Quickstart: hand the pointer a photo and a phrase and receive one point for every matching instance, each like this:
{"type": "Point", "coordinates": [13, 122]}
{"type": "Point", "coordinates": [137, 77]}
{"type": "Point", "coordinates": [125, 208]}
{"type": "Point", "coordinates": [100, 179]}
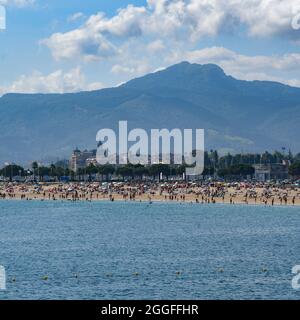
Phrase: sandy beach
{"type": "Point", "coordinates": [227, 193]}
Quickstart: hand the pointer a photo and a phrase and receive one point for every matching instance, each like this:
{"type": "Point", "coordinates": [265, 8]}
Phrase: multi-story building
{"type": "Point", "coordinates": [81, 159]}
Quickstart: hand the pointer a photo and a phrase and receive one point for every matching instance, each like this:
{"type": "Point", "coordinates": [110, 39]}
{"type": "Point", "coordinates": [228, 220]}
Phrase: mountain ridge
{"type": "Point", "coordinates": [237, 114]}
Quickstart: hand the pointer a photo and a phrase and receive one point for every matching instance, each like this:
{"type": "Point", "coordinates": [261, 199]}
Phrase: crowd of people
{"type": "Point", "coordinates": [180, 191]}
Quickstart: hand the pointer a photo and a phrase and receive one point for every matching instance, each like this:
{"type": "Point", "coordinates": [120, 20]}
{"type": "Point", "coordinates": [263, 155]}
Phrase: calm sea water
{"type": "Point", "coordinates": [140, 251]}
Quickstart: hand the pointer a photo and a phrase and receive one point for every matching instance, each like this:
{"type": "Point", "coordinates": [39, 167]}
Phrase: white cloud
{"type": "Point", "coordinates": [55, 82]}
{"type": "Point", "coordinates": [75, 17]}
{"type": "Point", "coordinates": [140, 39]}
{"type": "Point", "coordinates": [188, 20]}
{"type": "Point", "coordinates": [156, 46]}
{"type": "Point", "coordinates": [117, 69]}
{"type": "Point", "coordinates": [133, 68]}
{"type": "Point", "coordinates": [80, 43]}
{"type": "Point", "coordinates": [17, 3]}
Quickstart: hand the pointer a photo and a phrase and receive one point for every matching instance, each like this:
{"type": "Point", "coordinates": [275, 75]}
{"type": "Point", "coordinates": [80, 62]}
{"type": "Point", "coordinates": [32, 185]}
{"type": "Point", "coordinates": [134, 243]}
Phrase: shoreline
{"type": "Point", "coordinates": [156, 201]}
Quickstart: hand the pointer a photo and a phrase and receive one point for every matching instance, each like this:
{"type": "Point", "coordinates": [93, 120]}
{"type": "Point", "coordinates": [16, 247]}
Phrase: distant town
{"type": "Point", "coordinates": [83, 166]}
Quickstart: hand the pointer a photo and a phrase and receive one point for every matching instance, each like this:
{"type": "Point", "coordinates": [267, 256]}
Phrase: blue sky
{"type": "Point", "coordinates": [67, 46]}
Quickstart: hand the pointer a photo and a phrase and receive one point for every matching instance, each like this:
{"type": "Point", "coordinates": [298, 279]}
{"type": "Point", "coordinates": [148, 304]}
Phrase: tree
{"type": "Point", "coordinates": [294, 169]}
{"type": "Point", "coordinates": [44, 171]}
{"type": "Point", "coordinates": [106, 170]}
{"type": "Point", "coordinates": [208, 171]}
{"type": "Point", "coordinates": [156, 169]}
{"type": "Point", "coordinates": [181, 170]}
{"type": "Point", "coordinates": [140, 171]}
{"type": "Point", "coordinates": [297, 158]}
{"type": "Point", "coordinates": [12, 170]}
{"type": "Point", "coordinates": [237, 170]}
{"type": "Point", "coordinates": [52, 170]}
{"type": "Point", "coordinates": [34, 167]}
{"type": "Point", "coordinates": [60, 172]}
{"type": "Point", "coordinates": [92, 169]}
{"type": "Point", "coordinates": [242, 170]}
{"type": "Point", "coordinates": [223, 173]}
{"type": "Point", "coordinates": [278, 157]}
{"type": "Point", "coordinates": [267, 158]}
{"type": "Point", "coordinates": [125, 171]}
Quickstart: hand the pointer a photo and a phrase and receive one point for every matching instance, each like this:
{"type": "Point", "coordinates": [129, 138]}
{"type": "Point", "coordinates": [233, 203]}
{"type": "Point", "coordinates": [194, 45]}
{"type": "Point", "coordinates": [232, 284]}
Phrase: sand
{"type": "Point", "coordinates": [248, 194]}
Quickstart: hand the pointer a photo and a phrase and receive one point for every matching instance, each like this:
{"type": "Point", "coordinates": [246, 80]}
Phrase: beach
{"type": "Point", "coordinates": [200, 193]}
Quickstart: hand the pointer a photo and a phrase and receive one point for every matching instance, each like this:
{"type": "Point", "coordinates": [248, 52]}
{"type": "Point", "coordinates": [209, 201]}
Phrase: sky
{"type": "Point", "coordinates": [69, 46]}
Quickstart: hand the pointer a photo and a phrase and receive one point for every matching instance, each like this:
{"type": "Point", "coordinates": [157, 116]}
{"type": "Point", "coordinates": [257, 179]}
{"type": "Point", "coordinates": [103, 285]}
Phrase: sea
{"type": "Point", "coordinates": [127, 250]}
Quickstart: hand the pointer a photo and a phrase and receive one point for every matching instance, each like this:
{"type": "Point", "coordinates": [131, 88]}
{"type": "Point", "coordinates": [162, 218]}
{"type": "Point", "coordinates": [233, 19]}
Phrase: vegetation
{"type": "Point", "coordinates": [294, 169]}
{"type": "Point", "coordinates": [238, 165]}
{"type": "Point", "coordinates": [242, 170]}
{"type": "Point", "coordinates": [11, 171]}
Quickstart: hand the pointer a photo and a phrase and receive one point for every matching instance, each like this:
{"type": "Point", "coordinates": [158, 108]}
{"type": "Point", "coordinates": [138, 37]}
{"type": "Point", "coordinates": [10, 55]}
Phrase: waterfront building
{"type": "Point", "coordinates": [81, 159]}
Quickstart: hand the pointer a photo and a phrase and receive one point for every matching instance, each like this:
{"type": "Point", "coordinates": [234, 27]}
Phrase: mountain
{"type": "Point", "coordinates": [237, 115]}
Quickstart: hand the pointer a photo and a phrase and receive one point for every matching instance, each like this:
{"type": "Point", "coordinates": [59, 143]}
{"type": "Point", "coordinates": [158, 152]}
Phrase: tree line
{"type": "Point", "coordinates": [222, 166]}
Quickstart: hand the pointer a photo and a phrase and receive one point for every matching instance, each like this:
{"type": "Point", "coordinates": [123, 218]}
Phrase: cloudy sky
{"type": "Point", "coordinates": [67, 46]}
